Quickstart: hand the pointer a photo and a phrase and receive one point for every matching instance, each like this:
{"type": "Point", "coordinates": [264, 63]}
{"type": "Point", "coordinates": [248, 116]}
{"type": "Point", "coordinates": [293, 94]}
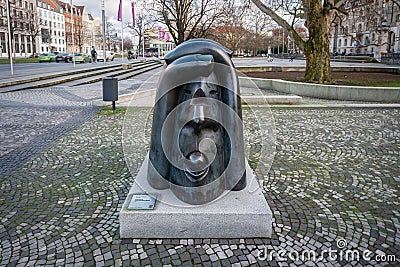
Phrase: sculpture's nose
{"type": "Point", "coordinates": [198, 113]}
{"type": "Point", "coordinates": [199, 93]}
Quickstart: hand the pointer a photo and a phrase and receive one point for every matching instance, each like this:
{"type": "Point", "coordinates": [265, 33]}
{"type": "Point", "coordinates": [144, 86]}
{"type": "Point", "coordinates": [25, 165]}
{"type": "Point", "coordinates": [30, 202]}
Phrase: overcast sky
{"type": "Point", "coordinates": [111, 6]}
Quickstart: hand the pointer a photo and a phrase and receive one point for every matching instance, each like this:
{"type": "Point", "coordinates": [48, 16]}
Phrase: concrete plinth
{"type": "Point", "coordinates": [238, 214]}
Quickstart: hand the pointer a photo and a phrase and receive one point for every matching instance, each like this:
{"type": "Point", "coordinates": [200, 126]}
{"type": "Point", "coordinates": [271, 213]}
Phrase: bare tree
{"type": "Point", "coordinates": [110, 42]}
{"type": "Point", "coordinates": [142, 22]}
{"type": "Point", "coordinates": [187, 19]}
{"type": "Point", "coordinates": [231, 31]}
{"type": "Point", "coordinates": [128, 44]}
{"type": "Point", "coordinates": [259, 24]}
{"type": "Point", "coordinates": [316, 14]}
{"type": "Point", "coordinates": [82, 35]}
{"type": "Point", "coordinates": [32, 27]}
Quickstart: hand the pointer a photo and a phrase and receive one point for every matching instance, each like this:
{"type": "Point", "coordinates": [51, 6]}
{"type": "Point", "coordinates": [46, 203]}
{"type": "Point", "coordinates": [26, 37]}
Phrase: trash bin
{"type": "Point", "coordinates": [110, 90]}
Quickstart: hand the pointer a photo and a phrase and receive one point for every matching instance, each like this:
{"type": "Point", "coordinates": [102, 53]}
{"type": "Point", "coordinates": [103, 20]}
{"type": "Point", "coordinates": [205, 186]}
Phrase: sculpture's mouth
{"type": "Point", "coordinates": [197, 169]}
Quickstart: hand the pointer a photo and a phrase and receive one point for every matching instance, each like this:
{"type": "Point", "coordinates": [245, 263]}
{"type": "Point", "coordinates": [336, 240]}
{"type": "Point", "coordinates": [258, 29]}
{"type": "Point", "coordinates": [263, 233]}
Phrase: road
{"type": "Point", "coordinates": [27, 69]}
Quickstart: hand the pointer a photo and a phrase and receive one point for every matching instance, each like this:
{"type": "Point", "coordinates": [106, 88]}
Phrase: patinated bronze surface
{"type": "Point", "coordinates": [197, 134]}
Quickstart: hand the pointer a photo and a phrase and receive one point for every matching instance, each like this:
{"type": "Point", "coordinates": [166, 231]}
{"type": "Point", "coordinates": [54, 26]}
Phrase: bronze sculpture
{"type": "Point", "coordinates": [197, 145]}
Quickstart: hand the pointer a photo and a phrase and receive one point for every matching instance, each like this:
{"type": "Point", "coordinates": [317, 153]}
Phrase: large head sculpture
{"type": "Point", "coordinates": [197, 145]}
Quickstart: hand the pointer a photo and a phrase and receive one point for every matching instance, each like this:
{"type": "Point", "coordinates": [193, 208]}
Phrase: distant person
{"type": "Point", "coordinates": [94, 55]}
{"type": "Point", "coordinates": [269, 58]}
{"type": "Point", "coordinates": [130, 54]}
{"type": "Point", "coordinates": [291, 58]}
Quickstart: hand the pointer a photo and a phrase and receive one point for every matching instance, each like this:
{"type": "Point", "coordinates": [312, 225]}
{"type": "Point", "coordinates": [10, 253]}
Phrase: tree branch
{"type": "Point", "coordinates": [283, 23]}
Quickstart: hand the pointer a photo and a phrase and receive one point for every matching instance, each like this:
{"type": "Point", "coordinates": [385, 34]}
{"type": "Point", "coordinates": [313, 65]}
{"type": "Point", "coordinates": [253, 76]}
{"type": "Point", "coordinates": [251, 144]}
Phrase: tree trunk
{"type": "Point", "coordinates": [316, 49]}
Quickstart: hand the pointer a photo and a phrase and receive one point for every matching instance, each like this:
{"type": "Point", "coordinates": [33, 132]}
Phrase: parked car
{"type": "Point", "coordinates": [87, 58]}
{"type": "Point", "coordinates": [78, 57]}
{"type": "Point", "coordinates": [47, 57]}
{"type": "Point", "coordinates": [63, 57]}
{"type": "Point", "coordinates": [109, 56]}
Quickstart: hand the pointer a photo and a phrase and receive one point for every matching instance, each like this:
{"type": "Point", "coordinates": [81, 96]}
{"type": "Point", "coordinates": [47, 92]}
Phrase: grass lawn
{"type": "Point", "coordinates": [374, 79]}
{"type": "Point", "coordinates": [19, 60]}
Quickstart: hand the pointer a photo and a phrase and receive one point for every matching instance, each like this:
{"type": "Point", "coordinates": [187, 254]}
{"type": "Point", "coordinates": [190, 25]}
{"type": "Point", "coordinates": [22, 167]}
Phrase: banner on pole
{"type": "Point", "coordinates": [161, 33]}
{"type": "Point", "coordinates": [133, 14]}
{"type": "Point", "coordinates": [120, 11]}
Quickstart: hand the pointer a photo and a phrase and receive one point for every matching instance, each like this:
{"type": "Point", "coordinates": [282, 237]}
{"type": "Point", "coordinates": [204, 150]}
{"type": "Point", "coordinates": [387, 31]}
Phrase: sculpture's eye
{"type": "Point", "coordinates": [214, 92]}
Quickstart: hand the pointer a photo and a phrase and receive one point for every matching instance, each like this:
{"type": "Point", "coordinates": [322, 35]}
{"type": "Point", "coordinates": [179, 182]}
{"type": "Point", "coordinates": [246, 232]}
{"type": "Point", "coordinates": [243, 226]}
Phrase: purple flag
{"type": "Point", "coordinates": [168, 37]}
{"type": "Point", "coordinates": [120, 11]}
{"type": "Point", "coordinates": [161, 33]}
{"type": "Point", "coordinates": [133, 14]}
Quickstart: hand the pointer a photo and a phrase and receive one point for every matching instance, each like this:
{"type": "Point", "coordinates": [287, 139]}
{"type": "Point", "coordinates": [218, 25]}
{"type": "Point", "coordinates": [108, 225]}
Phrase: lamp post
{"type": "Point", "coordinates": [103, 18]}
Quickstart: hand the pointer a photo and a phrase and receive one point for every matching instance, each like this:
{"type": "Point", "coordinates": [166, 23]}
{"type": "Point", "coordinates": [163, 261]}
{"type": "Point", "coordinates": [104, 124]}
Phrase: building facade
{"type": "Point", "coordinates": [92, 32]}
{"type": "Point", "coordinates": [72, 18]}
{"type": "Point", "coordinates": [52, 27]}
{"type": "Point", "coordinates": [370, 27]}
{"type": "Point", "coordinates": [24, 27]}
{"type": "Point", "coordinates": [158, 41]}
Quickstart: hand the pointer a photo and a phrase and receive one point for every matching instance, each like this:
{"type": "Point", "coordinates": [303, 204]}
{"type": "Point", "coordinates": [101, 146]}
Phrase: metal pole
{"type": "Point", "coordinates": [143, 35]}
{"type": "Point", "coordinates": [9, 38]}
{"type": "Point", "coordinates": [122, 29]}
{"type": "Point", "coordinates": [103, 17]}
{"type": "Point", "coordinates": [73, 33]}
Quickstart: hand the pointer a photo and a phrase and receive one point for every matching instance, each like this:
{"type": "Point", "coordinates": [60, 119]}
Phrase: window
{"type": "Point", "coordinates": [345, 42]}
{"type": "Point", "coordinates": [3, 41]}
{"type": "Point", "coordinates": [340, 42]}
{"type": "Point", "coordinates": [31, 6]}
{"type": "Point", "coordinates": [17, 46]}
{"type": "Point", "coordinates": [373, 37]}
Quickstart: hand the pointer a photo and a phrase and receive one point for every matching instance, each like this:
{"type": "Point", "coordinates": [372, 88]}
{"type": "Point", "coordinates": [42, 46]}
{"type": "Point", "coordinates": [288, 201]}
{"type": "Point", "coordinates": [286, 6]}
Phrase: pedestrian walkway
{"type": "Point", "coordinates": [333, 185]}
{"type": "Point", "coordinates": [335, 176]}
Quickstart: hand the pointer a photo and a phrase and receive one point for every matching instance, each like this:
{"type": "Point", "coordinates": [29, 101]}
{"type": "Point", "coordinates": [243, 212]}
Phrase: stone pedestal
{"type": "Point", "coordinates": [238, 214]}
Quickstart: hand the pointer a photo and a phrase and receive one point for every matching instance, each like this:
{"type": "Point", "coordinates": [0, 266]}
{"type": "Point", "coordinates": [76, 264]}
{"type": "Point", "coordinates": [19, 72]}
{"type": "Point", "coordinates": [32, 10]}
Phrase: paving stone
{"type": "Point", "coordinates": [64, 178]}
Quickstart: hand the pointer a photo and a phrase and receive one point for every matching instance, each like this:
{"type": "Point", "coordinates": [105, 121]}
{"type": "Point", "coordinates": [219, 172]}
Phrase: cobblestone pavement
{"type": "Point", "coordinates": [335, 177]}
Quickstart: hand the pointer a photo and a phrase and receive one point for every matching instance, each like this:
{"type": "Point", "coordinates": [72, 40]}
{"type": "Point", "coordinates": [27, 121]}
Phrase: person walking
{"type": "Point", "coordinates": [94, 55]}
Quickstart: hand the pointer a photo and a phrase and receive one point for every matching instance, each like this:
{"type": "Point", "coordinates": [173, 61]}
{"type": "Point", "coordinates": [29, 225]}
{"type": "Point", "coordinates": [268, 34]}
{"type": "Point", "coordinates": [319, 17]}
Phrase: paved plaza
{"type": "Point", "coordinates": [333, 186]}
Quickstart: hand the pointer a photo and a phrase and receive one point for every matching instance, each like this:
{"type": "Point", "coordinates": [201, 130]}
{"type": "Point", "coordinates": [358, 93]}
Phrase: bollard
{"type": "Point", "coordinates": [110, 90]}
